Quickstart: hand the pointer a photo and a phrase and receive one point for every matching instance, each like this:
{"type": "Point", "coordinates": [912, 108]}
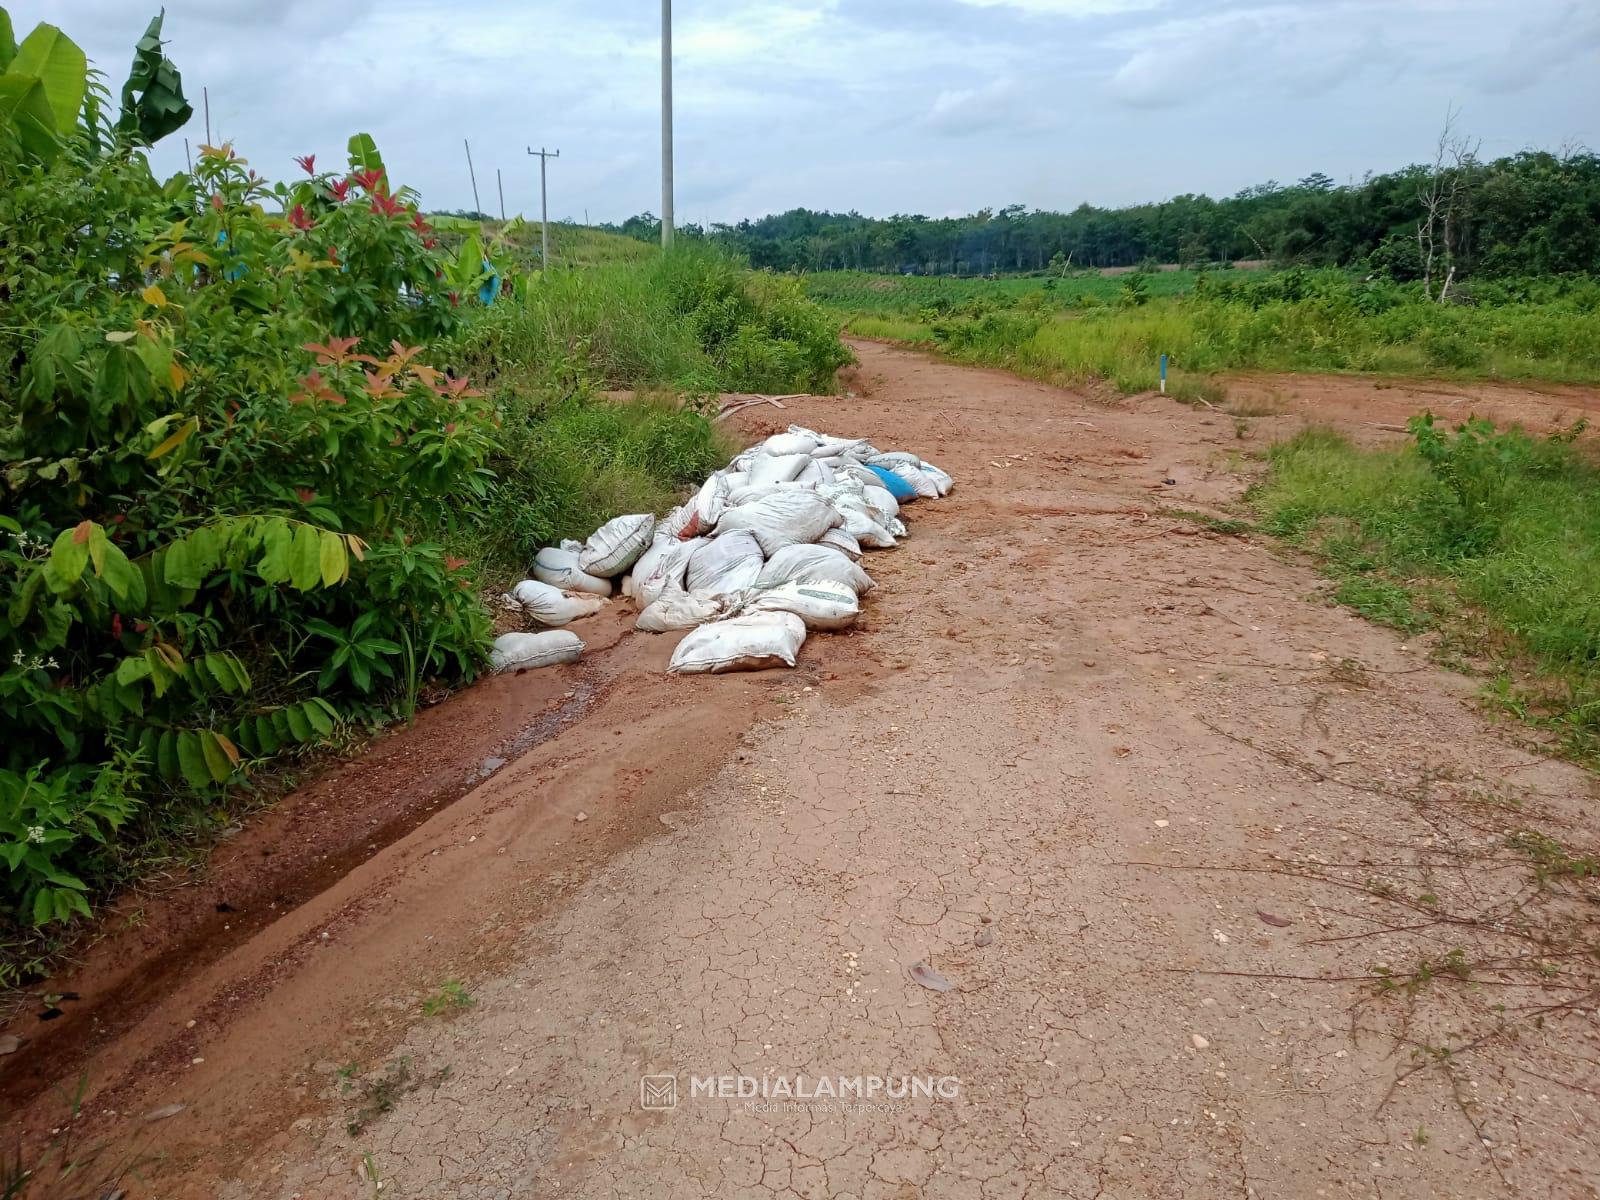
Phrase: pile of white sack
{"type": "Point", "coordinates": [769, 549]}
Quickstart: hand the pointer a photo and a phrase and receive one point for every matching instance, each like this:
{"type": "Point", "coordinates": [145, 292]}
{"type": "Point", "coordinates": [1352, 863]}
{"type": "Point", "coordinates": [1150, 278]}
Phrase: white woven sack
{"type": "Point", "coordinates": [526, 651]}
{"type": "Point", "coordinates": [745, 643]}
{"type": "Point", "coordinates": [613, 547]}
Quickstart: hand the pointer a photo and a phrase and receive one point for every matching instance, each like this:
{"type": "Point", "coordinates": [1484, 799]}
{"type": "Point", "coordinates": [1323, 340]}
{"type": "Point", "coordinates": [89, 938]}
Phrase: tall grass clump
{"type": "Point", "coordinates": [940, 295]}
{"type": "Point", "coordinates": [692, 320]}
{"type": "Point", "coordinates": [572, 460]}
{"type": "Point", "coordinates": [1491, 536]}
{"type": "Point", "coordinates": [675, 328]}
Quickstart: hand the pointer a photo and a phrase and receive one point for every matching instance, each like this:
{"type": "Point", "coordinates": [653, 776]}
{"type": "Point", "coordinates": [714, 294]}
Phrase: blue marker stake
{"type": "Point", "coordinates": [1163, 374]}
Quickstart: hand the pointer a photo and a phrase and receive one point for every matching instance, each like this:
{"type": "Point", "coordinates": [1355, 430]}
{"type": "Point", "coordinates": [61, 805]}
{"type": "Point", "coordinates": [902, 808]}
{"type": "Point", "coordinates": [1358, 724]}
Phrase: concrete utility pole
{"type": "Point", "coordinates": [477, 206]}
{"type": "Point", "coordinates": [544, 206]}
{"type": "Point", "coordinates": [501, 188]}
{"type": "Point", "coordinates": [666, 123]}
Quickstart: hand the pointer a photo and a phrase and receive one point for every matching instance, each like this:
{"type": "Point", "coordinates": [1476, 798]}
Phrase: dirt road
{"type": "Point", "coordinates": [1231, 891]}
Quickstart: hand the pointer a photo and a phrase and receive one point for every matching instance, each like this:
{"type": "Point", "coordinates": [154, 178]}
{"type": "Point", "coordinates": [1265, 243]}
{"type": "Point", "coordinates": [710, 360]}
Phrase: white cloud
{"type": "Point", "coordinates": [1069, 8]}
{"type": "Point", "coordinates": [743, 36]}
{"type": "Point", "coordinates": [882, 105]}
{"type": "Point", "coordinates": [960, 111]}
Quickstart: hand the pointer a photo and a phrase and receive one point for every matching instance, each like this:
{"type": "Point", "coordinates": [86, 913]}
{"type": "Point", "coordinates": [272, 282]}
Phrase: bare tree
{"type": "Point", "coordinates": [1445, 195]}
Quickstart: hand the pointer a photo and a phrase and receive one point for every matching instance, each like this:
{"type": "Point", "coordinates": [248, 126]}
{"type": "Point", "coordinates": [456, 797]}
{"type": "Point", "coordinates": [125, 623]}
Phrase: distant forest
{"type": "Point", "coordinates": [1532, 213]}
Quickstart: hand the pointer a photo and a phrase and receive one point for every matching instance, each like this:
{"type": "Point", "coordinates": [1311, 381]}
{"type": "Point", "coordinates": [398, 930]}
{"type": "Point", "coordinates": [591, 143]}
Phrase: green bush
{"type": "Point", "coordinates": [204, 551]}
{"type": "Point", "coordinates": [241, 461]}
{"type": "Point", "coordinates": [1509, 521]}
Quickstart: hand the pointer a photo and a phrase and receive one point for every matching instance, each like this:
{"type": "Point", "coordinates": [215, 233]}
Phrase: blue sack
{"type": "Point", "coordinates": [896, 487]}
{"type": "Point", "coordinates": [490, 291]}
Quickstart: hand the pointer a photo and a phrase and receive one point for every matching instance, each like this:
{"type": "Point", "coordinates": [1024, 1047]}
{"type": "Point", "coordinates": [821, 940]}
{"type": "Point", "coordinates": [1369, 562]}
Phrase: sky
{"type": "Point", "coordinates": [882, 106]}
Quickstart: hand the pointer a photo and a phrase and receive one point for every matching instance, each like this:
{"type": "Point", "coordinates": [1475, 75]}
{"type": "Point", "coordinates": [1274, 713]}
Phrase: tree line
{"type": "Point", "coordinates": [1532, 213]}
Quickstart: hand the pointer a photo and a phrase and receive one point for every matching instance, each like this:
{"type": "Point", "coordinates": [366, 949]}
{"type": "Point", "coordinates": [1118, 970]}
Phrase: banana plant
{"type": "Point", "coordinates": [481, 263]}
{"type": "Point", "coordinates": [152, 99]}
{"type": "Point", "coordinates": [42, 85]}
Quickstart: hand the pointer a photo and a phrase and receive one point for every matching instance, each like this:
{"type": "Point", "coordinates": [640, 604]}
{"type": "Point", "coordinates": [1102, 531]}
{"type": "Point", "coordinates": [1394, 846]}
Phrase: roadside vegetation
{"type": "Point", "coordinates": [917, 295]}
{"type": "Point", "coordinates": [1490, 537]}
{"type": "Point", "coordinates": [1487, 536]}
{"type": "Point", "coordinates": [1458, 267]}
{"type": "Point", "coordinates": [266, 444]}
{"type": "Point", "coordinates": [1116, 328]}
{"type": "Point", "coordinates": [693, 321]}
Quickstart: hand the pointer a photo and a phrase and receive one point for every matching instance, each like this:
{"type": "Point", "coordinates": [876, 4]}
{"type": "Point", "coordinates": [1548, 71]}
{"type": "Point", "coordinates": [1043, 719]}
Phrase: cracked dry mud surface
{"type": "Point", "coordinates": [1162, 814]}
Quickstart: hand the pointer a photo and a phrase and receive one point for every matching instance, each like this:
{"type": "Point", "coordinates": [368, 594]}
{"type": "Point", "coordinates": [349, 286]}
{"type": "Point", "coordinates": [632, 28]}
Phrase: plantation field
{"type": "Point", "coordinates": [574, 245]}
{"type": "Point", "coordinates": [1115, 328]}
{"type": "Point", "coordinates": [907, 295]}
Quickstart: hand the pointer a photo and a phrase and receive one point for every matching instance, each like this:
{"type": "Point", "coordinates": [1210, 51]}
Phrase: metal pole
{"type": "Point", "coordinates": [501, 188]}
{"type": "Point", "coordinates": [666, 123]}
{"type": "Point", "coordinates": [473, 175]}
{"type": "Point", "coordinates": [205, 94]}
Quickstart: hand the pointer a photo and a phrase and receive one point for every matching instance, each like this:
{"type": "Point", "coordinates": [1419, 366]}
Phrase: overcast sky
{"type": "Point", "coordinates": [930, 106]}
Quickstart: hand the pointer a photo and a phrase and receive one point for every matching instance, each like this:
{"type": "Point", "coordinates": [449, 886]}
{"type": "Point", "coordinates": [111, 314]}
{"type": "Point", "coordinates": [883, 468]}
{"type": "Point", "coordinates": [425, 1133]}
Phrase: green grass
{"type": "Point", "coordinates": [674, 328]}
{"type": "Point", "coordinates": [892, 329]}
{"type": "Point", "coordinates": [449, 996]}
{"type": "Point", "coordinates": [573, 462]}
{"type": "Point", "coordinates": [693, 321]}
{"type": "Point", "coordinates": [907, 295]}
{"type": "Point", "coordinates": [581, 246]}
{"type": "Point", "coordinates": [1491, 538]}
{"type": "Point", "coordinates": [571, 245]}
{"type": "Point", "coordinates": [608, 322]}
{"type": "Point", "coordinates": [1116, 328]}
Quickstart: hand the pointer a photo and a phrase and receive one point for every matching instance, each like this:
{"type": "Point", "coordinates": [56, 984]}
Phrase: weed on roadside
{"type": "Point", "coordinates": [1454, 964]}
{"type": "Point", "coordinates": [65, 1168]}
{"type": "Point", "coordinates": [1198, 391]}
{"type": "Point", "coordinates": [369, 1170]}
{"type": "Point", "coordinates": [1550, 859]}
{"type": "Point", "coordinates": [379, 1094]}
{"type": "Point", "coordinates": [1227, 526]}
{"type": "Point", "coordinates": [450, 996]}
